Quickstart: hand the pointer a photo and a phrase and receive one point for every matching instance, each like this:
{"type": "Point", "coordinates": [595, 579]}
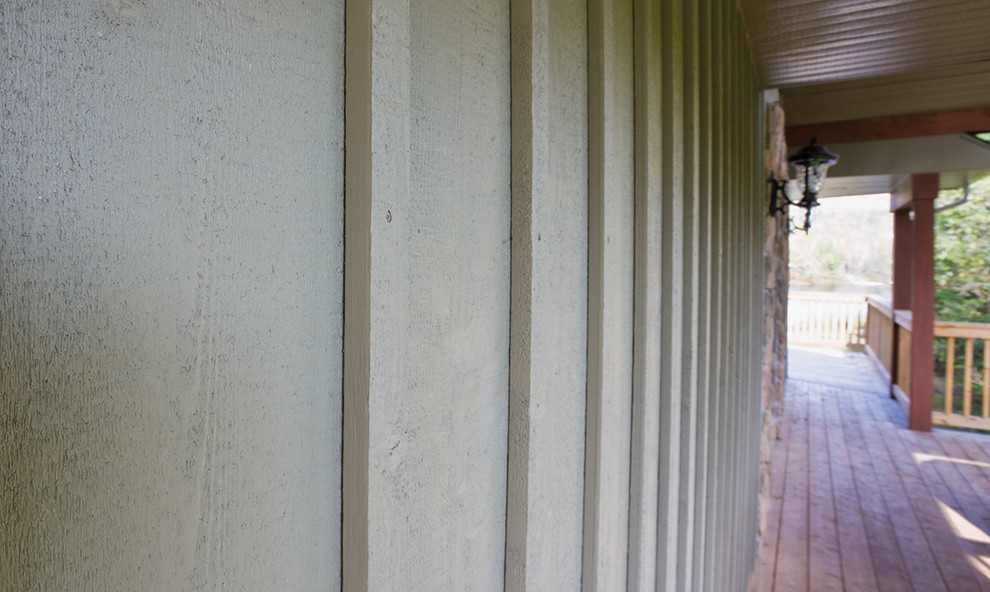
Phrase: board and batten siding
{"type": "Point", "coordinates": [549, 295]}
{"type": "Point", "coordinates": [426, 410]}
{"type": "Point", "coordinates": [627, 383]}
{"type": "Point", "coordinates": [483, 315]}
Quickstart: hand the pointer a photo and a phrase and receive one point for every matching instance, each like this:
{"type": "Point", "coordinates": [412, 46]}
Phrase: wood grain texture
{"type": "Point", "coordinates": [171, 197]}
{"type": "Point", "coordinates": [893, 127]}
{"type": "Point", "coordinates": [792, 553]}
{"type": "Point", "coordinates": [440, 293]}
{"type": "Point", "coordinates": [909, 509]}
{"type": "Point", "coordinates": [644, 482]}
{"type": "Point", "coordinates": [825, 563]}
{"type": "Point", "coordinates": [548, 316]}
{"type": "Point", "coordinates": [357, 301]}
{"type": "Point", "coordinates": [924, 189]}
{"type": "Point", "coordinates": [611, 246]}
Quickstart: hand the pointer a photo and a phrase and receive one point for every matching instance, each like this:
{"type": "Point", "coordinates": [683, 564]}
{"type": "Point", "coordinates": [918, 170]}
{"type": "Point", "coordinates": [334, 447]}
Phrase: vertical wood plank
{"type": "Point", "coordinates": [441, 270]}
{"type": "Point", "coordinates": [548, 314]}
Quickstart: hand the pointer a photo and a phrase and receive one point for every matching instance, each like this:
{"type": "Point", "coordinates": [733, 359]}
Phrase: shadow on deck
{"type": "Point", "coordinates": [859, 502]}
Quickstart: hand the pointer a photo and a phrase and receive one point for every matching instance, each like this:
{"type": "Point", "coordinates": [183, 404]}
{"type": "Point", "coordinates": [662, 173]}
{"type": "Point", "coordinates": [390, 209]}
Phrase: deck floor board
{"type": "Point", "coordinates": [792, 551]}
{"type": "Point", "coordinates": [857, 566]}
{"type": "Point", "coordinates": [859, 503]}
{"type": "Point", "coordinates": [825, 565]}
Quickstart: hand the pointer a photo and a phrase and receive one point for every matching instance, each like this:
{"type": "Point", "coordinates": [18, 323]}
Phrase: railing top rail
{"type": "Point", "coordinates": [903, 318]}
{"type": "Point", "coordinates": [947, 328]}
{"type": "Point", "coordinates": [882, 306]}
{"type": "Point", "coordinates": [962, 330]}
{"type": "Point", "coordinates": [826, 296]}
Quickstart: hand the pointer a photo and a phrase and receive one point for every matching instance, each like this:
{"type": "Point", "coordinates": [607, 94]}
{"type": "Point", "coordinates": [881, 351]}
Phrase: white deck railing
{"type": "Point", "coordinates": [826, 318]}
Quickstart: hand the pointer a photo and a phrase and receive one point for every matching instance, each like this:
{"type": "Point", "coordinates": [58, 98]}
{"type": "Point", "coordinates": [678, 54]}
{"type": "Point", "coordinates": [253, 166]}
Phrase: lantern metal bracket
{"type": "Point", "coordinates": [779, 201]}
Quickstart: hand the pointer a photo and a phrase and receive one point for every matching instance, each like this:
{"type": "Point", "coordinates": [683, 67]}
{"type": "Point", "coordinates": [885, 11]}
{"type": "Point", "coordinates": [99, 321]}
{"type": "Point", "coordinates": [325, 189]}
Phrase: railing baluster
{"type": "Point", "coordinates": [986, 378]}
{"type": "Point", "coordinates": [967, 417]}
{"type": "Point", "coordinates": [950, 367]}
{"type": "Point", "coordinates": [968, 380]}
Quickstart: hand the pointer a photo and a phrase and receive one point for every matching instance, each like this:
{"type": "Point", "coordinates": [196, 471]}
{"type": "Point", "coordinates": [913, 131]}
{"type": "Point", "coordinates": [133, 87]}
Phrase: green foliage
{"type": "Point", "coordinates": [962, 257]}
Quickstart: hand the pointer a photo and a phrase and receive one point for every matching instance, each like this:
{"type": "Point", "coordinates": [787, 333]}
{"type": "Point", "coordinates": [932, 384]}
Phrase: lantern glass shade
{"type": "Point", "coordinates": [810, 167]}
{"type": "Point", "coordinates": [810, 177]}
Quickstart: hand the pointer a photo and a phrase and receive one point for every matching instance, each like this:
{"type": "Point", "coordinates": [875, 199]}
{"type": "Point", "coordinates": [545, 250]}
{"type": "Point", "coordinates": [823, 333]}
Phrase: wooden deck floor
{"type": "Point", "coordinates": [860, 503]}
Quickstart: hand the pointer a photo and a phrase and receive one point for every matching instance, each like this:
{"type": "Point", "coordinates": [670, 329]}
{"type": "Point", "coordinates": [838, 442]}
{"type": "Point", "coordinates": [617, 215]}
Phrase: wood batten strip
{"type": "Point", "coordinates": [645, 444]}
{"type": "Point", "coordinates": [520, 315]}
{"type": "Point", "coordinates": [672, 282]}
{"type": "Point", "coordinates": [690, 303]}
{"type": "Point", "coordinates": [357, 294]}
{"type": "Point", "coordinates": [596, 293]}
{"type": "Point", "coordinates": [705, 279]}
{"type": "Point", "coordinates": [715, 515]}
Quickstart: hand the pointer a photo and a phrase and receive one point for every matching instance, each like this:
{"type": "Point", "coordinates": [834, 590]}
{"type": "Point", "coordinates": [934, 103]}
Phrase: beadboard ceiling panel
{"type": "Point", "coordinates": [928, 91]}
{"type": "Point", "coordinates": [803, 42]}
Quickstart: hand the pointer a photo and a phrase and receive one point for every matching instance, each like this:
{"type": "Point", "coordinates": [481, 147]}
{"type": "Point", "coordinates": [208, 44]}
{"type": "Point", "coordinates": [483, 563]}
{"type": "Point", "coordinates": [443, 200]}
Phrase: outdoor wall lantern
{"type": "Point", "coordinates": [810, 166]}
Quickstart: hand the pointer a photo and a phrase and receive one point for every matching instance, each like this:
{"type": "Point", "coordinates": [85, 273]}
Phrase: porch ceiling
{"type": "Point", "coordinates": [851, 59]}
{"type": "Point", "coordinates": [845, 60]}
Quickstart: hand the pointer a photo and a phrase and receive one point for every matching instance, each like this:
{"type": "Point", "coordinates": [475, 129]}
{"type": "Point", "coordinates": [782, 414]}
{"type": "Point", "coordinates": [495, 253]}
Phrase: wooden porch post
{"type": "Point", "coordinates": [901, 289]}
{"type": "Point", "coordinates": [924, 189]}
{"type": "Point", "coordinates": [903, 250]}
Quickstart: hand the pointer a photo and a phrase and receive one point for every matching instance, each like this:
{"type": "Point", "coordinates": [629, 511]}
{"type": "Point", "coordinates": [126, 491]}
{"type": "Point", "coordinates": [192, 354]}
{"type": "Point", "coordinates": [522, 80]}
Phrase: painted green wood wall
{"type": "Point", "coordinates": [484, 315]}
{"type": "Point", "coordinates": [632, 285]}
{"type": "Point", "coordinates": [171, 250]}
{"type": "Point", "coordinates": [675, 256]}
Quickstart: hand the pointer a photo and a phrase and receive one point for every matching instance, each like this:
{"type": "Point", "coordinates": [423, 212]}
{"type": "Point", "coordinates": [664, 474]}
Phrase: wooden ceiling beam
{"type": "Point", "coordinates": [892, 128]}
